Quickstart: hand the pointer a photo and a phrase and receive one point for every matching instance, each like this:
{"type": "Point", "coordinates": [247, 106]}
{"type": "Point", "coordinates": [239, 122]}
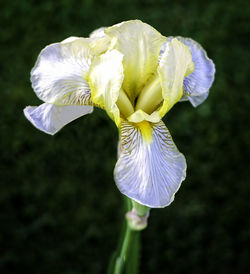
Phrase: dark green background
{"type": "Point", "coordinates": [60, 211]}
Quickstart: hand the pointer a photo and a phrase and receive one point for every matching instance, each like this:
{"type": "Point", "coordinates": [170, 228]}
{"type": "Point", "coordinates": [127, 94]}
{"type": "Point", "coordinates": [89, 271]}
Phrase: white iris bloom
{"type": "Point", "coordinates": [136, 75]}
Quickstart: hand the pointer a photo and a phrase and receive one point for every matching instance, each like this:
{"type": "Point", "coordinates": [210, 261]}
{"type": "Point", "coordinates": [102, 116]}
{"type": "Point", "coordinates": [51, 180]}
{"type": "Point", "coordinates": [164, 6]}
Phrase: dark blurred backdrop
{"type": "Point", "coordinates": [60, 211]}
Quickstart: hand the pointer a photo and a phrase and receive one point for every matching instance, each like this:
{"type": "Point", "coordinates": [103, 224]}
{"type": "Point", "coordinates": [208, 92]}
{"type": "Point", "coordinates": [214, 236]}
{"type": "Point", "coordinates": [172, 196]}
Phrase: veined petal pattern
{"type": "Point", "coordinates": [59, 75]}
{"type": "Point", "coordinates": [149, 173]}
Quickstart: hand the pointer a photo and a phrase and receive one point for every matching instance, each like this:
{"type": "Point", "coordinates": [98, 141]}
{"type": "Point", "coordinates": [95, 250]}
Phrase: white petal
{"type": "Point", "coordinates": [98, 33]}
{"type": "Point", "coordinates": [69, 39]}
{"type": "Point", "coordinates": [51, 118]}
{"type": "Point", "coordinates": [196, 86]}
{"type": "Point", "coordinates": [99, 41]}
{"type": "Point", "coordinates": [149, 172]}
{"type": "Point", "coordinates": [59, 75]}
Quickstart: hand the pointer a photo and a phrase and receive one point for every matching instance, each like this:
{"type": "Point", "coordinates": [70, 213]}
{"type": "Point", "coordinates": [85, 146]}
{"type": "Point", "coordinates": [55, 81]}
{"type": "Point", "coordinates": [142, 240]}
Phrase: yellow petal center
{"type": "Point", "coordinates": [133, 80]}
{"type": "Point", "coordinates": [146, 131]}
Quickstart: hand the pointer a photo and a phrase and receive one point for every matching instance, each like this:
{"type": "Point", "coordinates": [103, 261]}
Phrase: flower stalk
{"type": "Point", "coordinates": [121, 260]}
{"type": "Point", "coordinates": [135, 222]}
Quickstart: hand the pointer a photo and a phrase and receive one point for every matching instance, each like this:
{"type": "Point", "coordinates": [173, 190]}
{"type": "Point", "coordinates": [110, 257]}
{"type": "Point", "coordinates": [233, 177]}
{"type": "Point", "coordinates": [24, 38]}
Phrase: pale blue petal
{"type": "Point", "coordinates": [50, 118]}
{"type": "Point", "coordinates": [196, 100]}
{"type": "Point", "coordinates": [198, 83]}
{"type": "Point", "coordinates": [149, 172]}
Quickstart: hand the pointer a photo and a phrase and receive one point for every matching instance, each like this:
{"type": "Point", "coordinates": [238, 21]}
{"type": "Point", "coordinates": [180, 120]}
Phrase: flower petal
{"type": "Point", "coordinates": [140, 115]}
{"type": "Point", "coordinates": [140, 44]}
{"type": "Point", "coordinates": [99, 41]}
{"type": "Point", "coordinates": [59, 75]}
{"type": "Point", "coordinates": [105, 80]}
{"type": "Point", "coordinates": [51, 118]}
{"type": "Point", "coordinates": [98, 32]}
{"type": "Point", "coordinates": [149, 172]}
{"type": "Point", "coordinates": [174, 64]}
{"type": "Point", "coordinates": [198, 83]}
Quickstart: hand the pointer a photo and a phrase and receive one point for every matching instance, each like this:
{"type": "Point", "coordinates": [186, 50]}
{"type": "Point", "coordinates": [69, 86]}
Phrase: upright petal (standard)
{"type": "Point", "coordinates": [140, 44]}
{"type": "Point", "coordinates": [175, 63]}
{"type": "Point", "coordinates": [105, 78]}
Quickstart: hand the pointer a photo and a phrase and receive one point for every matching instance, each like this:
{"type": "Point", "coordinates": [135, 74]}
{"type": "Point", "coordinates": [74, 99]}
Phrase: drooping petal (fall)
{"type": "Point", "coordinates": [197, 84]}
{"type": "Point", "coordinates": [175, 63]}
{"type": "Point", "coordinates": [140, 44]}
{"type": "Point", "coordinates": [105, 79]}
{"type": "Point", "coordinates": [149, 172]}
{"type": "Point", "coordinates": [50, 118]}
{"type": "Point", "coordinates": [59, 75]}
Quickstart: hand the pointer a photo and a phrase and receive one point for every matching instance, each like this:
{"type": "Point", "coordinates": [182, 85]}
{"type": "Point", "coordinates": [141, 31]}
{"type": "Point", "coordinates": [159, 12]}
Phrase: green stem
{"type": "Point", "coordinates": [126, 260]}
{"type": "Point", "coordinates": [120, 262]}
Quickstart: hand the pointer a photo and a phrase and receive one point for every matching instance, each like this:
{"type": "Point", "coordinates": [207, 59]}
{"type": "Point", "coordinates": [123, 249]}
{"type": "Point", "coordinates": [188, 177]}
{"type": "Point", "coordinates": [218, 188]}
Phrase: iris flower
{"type": "Point", "coordinates": [136, 75]}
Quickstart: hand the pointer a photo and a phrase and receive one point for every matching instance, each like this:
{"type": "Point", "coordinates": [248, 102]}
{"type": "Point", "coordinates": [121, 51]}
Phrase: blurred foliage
{"type": "Point", "coordinates": [60, 209]}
